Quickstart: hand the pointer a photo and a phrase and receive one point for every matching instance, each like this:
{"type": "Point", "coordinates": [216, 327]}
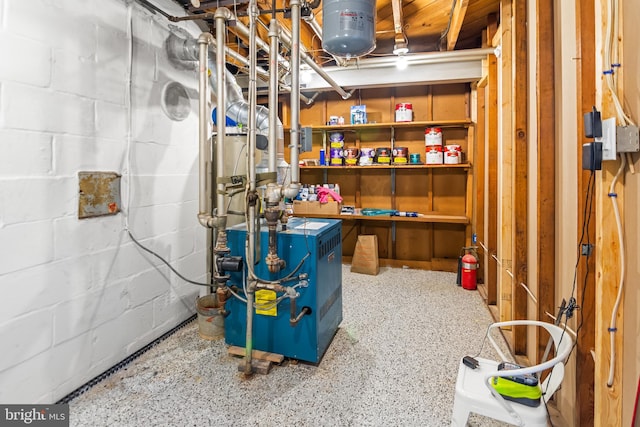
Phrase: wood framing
{"type": "Point", "coordinates": [505, 188]}
{"type": "Point", "coordinates": [546, 194]}
{"type": "Point", "coordinates": [585, 293]}
{"type": "Point", "coordinates": [608, 399]}
{"type": "Point", "coordinates": [478, 226]}
{"type": "Point", "coordinates": [520, 171]}
{"type": "Point", "coordinates": [457, 19]}
{"type": "Point", "coordinates": [491, 241]}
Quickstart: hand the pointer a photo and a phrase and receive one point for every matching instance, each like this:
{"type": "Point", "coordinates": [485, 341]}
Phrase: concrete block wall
{"type": "Point", "coordinates": [76, 295]}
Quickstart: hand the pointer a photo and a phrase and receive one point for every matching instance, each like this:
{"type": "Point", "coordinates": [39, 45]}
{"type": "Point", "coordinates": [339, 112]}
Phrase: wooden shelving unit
{"type": "Point", "coordinates": [441, 194]}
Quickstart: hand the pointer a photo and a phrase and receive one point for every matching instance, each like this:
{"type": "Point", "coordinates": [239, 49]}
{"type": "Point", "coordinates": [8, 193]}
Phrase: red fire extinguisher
{"type": "Point", "coordinates": [469, 272]}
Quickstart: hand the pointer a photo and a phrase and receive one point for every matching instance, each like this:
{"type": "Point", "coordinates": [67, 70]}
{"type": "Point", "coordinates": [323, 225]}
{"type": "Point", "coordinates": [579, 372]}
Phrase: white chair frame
{"type": "Point", "coordinates": [471, 396]}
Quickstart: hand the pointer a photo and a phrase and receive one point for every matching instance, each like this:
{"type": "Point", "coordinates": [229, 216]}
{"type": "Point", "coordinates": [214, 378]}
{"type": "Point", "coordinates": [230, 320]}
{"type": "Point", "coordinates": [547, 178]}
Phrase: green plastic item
{"type": "Point", "coordinates": [516, 392]}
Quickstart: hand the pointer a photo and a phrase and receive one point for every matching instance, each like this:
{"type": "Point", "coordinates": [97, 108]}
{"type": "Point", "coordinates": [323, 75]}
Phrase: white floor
{"type": "Point", "coordinates": [393, 362]}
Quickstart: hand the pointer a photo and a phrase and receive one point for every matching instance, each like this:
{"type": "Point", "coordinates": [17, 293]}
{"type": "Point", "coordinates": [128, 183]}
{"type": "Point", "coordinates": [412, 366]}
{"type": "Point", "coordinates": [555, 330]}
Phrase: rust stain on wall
{"type": "Point", "coordinates": [99, 194]}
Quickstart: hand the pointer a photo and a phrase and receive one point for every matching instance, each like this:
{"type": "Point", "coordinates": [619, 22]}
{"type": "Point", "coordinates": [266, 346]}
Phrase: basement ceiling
{"type": "Point", "coordinates": [424, 25]}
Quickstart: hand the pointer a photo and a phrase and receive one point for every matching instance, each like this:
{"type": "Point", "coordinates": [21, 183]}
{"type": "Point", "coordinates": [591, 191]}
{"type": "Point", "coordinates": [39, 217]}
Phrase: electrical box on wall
{"type": "Point", "coordinates": [627, 139]}
{"type": "Point", "coordinates": [99, 194]}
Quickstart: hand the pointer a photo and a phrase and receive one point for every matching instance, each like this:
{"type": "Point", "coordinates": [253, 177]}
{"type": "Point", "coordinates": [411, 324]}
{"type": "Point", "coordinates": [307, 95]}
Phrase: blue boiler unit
{"type": "Point", "coordinates": [321, 240]}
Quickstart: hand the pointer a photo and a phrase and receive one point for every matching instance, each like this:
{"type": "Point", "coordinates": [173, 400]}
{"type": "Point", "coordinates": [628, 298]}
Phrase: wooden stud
{"type": "Point", "coordinates": [479, 175]}
{"type": "Point", "coordinates": [608, 400]}
{"type": "Point", "coordinates": [492, 167]}
{"type": "Point", "coordinates": [457, 18]}
{"type": "Point", "coordinates": [505, 241]}
{"type": "Point", "coordinates": [546, 194]}
{"type": "Point", "coordinates": [520, 173]}
{"type": "Point", "coordinates": [586, 99]}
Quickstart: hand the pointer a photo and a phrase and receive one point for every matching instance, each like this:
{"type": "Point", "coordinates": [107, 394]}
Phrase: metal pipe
{"type": "Point", "coordinates": [251, 171]}
{"type": "Point", "coordinates": [244, 31]}
{"type": "Point", "coordinates": [308, 59]}
{"type": "Point", "coordinates": [205, 209]}
{"type": "Point", "coordinates": [294, 44]}
{"type": "Point", "coordinates": [273, 93]}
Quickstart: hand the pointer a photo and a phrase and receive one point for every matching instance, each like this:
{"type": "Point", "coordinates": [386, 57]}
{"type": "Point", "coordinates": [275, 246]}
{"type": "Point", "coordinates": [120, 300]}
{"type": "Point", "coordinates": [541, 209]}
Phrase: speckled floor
{"type": "Point", "coordinates": [393, 362]}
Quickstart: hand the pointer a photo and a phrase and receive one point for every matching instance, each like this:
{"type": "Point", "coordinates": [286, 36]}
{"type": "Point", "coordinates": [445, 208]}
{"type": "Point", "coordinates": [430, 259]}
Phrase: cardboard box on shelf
{"type": "Point", "coordinates": [317, 208]}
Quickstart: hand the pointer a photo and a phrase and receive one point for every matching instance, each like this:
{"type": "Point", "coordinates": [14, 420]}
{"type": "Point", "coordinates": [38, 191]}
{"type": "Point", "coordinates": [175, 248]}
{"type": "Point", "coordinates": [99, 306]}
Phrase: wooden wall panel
{"type": "Point", "coordinates": [413, 242]}
{"type": "Point", "coordinates": [448, 191]}
{"type": "Point", "coordinates": [448, 239]}
{"type": "Point", "coordinates": [417, 96]}
{"type": "Point", "coordinates": [449, 102]}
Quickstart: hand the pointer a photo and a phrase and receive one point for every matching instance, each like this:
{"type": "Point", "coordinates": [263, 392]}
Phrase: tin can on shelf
{"type": "Point", "coordinates": [404, 112]}
{"type": "Point", "coordinates": [383, 155]}
{"type": "Point", "coordinates": [366, 156]}
{"type": "Point", "coordinates": [400, 155]}
{"type": "Point", "coordinates": [433, 157]}
{"type": "Point", "coordinates": [451, 157]}
{"type": "Point", "coordinates": [336, 157]}
{"type": "Point", "coordinates": [433, 136]}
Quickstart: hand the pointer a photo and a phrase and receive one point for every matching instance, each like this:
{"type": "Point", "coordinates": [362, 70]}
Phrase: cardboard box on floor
{"type": "Point", "coordinates": [365, 255]}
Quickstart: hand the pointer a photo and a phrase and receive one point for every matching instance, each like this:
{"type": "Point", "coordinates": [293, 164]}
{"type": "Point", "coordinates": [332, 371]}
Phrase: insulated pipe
{"type": "Point", "coordinates": [204, 215]}
{"type": "Point", "coordinates": [186, 50]}
{"type": "Point", "coordinates": [307, 59]}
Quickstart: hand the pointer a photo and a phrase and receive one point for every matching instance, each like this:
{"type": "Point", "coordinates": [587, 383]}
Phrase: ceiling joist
{"type": "Point", "coordinates": [457, 18]}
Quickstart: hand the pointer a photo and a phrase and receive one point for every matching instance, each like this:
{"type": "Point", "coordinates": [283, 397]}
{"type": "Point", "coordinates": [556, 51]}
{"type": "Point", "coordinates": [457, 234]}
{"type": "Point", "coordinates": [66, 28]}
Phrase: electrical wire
{"type": "Point", "coordinates": [611, 62]}
{"type": "Point", "coordinates": [144, 248]}
{"type": "Point", "coordinates": [614, 313]}
{"type": "Point", "coordinates": [446, 31]}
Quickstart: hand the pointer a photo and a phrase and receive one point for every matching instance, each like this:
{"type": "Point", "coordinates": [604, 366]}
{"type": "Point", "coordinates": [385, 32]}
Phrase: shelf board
{"type": "Point", "coordinates": [430, 123]}
{"type": "Point", "coordinates": [441, 218]}
{"type": "Point", "coordinates": [391, 166]}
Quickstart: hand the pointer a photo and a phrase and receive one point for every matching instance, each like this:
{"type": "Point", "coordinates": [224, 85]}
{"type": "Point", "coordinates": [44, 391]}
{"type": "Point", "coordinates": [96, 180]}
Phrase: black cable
{"type": "Point", "coordinates": [166, 263]}
{"type": "Point", "coordinates": [587, 212]}
{"type": "Point", "coordinates": [446, 31]}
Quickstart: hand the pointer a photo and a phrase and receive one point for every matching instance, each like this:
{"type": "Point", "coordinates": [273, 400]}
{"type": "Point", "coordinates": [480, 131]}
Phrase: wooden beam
{"type": "Point", "coordinates": [546, 194]}
{"type": "Point", "coordinates": [505, 193]}
{"type": "Point", "coordinates": [479, 172]}
{"type": "Point", "coordinates": [585, 292]}
{"type": "Point", "coordinates": [457, 18]}
{"type": "Point", "coordinates": [608, 400]}
{"type": "Point", "coordinates": [491, 241]}
{"type": "Point", "coordinates": [520, 172]}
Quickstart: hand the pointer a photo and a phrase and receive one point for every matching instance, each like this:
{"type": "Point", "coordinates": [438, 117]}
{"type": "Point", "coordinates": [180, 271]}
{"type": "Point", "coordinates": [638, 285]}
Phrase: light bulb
{"type": "Point", "coordinates": [401, 62]}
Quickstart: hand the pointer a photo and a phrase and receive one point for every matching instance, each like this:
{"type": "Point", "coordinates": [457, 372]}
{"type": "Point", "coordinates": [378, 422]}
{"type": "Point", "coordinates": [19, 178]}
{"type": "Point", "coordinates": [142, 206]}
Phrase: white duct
{"type": "Point", "coordinates": [237, 109]}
